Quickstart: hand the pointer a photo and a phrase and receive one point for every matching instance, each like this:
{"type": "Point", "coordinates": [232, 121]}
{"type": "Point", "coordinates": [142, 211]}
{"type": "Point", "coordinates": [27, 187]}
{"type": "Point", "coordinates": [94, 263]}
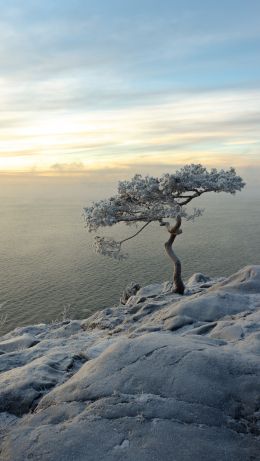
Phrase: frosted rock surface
{"type": "Point", "coordinates": [197, 278]}
{"type": "Point", "coordinates": [163, 377]}
{"type": "Point", "coordinates": [18, 342]}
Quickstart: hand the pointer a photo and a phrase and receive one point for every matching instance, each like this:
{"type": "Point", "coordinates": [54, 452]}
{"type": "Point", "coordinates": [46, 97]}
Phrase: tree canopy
{"type": "Point", "coordinates": [148, 199]}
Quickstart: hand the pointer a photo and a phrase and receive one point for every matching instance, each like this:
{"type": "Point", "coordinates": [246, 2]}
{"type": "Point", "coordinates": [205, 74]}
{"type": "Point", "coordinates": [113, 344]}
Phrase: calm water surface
{"type": "Point", "coordinates": [47, 260]}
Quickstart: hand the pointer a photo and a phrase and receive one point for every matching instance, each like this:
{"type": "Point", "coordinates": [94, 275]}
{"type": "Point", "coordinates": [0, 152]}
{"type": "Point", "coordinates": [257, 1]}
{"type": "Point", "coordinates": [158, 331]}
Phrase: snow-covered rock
{"type": "Point", "coordinates": [163, 377]}
{"type": "Point", "coordinates": [17, 342]}
{"type": "Point", "coordinates": [198, 278]}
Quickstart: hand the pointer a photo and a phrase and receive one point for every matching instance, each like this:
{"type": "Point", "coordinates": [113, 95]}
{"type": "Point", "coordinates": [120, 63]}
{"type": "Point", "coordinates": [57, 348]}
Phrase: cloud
{"type": "Point", "coordinates": [182, 128]}
{"type": "Point", "coordinates": [74, 167]}
{"type": "Point", "coordinates": [129, 44]}
{"type": "Point", "coordinates": [104, 84]}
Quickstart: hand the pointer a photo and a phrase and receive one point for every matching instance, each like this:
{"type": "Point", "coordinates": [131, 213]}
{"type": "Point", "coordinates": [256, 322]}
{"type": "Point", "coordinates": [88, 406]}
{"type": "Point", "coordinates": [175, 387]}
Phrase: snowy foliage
{"type": "Point", "coordinates": [149, 199]}
{"type": "Point", "coordinates": [109, 247]}
{"type": "Point", "coordinates": [196, 178]}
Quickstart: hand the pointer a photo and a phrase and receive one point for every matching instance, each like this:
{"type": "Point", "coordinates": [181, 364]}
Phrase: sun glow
{"type": "Point", "coordinates": [184, 130]}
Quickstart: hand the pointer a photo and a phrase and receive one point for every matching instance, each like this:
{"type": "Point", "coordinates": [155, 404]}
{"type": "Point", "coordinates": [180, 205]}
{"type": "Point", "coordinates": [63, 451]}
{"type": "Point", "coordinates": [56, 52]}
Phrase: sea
{"type": "Point", "coordinates": [49, 269]}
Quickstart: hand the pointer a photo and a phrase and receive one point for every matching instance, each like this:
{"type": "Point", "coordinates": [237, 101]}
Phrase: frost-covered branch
{"type": "Point", "coordinates": [107, 246]}
{"type": "Point", "coordinates": [152, 199]}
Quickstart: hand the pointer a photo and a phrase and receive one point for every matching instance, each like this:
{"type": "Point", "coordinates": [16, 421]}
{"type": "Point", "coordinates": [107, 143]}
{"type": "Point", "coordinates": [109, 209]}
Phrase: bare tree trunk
{"type": "Point", "coordinates": [174, 231]}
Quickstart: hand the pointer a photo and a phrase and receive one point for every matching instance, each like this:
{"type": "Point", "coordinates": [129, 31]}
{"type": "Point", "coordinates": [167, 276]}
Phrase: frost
{"type": "Point", "coordinates": [109, 247]}
{"type": "Point", "coordinates": [150, 199]}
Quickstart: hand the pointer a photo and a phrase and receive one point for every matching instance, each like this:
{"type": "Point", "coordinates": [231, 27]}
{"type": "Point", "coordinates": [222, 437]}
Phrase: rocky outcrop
{"type": "Point", "coordinates": [162, 377]}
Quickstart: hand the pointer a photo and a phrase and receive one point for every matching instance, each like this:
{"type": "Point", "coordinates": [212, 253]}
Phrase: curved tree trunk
{"type": "Point", "coordinates": [174, 231]}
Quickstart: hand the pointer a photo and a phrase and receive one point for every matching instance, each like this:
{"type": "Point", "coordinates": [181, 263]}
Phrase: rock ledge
{"type": "Point", "coordinates": [161, 377]}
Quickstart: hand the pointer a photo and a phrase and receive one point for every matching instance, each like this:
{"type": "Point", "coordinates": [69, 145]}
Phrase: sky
{"type": "Point", "coordinates": [89, 86]}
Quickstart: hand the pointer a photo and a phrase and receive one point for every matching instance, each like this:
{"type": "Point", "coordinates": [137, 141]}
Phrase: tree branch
{"type": "Point", "coordinates": [191, 197]}
{"type": "Point", "coordinates": [138, 232]}
{"type": "Point", "coordinates": [135, 219]}
{"type": "Point", "coordinates": [175, 230]}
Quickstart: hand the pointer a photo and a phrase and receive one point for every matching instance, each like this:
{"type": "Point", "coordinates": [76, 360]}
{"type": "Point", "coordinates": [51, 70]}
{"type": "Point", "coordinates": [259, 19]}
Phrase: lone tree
{"type": "Point", "coordinates": [149, 199]}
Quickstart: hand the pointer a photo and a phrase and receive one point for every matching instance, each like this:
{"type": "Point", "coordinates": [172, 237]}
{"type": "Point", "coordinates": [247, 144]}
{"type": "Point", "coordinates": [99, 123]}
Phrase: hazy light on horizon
{"type": "Point", "coordinates": [85, 87]}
